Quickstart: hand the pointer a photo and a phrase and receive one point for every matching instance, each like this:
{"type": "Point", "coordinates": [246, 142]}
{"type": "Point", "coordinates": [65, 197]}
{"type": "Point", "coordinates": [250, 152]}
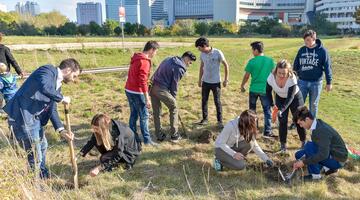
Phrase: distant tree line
{"type": "Point", "coordinates": [54, 23]}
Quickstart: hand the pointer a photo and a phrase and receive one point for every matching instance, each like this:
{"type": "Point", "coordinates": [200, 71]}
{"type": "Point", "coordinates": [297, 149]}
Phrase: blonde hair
{"type": "Point", "coordinates": [284, 64]}
{"type": "Point", "coordinates": [103, 122]}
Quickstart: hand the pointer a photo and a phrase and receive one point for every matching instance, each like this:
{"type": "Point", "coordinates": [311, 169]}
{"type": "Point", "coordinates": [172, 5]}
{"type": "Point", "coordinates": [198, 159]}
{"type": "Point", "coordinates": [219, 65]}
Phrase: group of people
{"type": "Point", "coordinates": [326, 150]}
{"type": "Point", "coordinates": [35, 103]}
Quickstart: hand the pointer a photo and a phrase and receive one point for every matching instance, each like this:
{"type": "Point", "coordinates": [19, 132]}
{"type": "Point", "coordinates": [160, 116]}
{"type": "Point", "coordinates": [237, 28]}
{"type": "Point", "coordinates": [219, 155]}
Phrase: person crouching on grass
{"type": "Point", "coordinates": [236, 140]}
{"type": "Point", "coordinates": [115, 141]}
{"type": "Point", "coordinates": [327, 150]}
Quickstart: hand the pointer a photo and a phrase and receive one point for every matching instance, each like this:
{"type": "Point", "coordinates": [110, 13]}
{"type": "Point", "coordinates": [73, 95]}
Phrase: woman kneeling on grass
{"type": "Point", "coordinates": [114, 140]}
{"type": "Point", "coordinates": [236, 140]}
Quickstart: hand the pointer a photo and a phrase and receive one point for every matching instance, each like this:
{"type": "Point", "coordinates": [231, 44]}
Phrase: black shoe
{"type": "Point", "coordinates": [176, 137]}
{"type": "Point", "coordinates": [203, 122]}
{"type": "Point", "coordinates": [161, 137]}
{"type": "Point", "coordinates": [330, 171]}
{"type": "Point", "coordinates": [269, 135]}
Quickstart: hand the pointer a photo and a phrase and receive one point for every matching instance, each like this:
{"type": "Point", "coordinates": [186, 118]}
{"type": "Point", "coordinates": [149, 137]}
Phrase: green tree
{"type": "Point", "coordinates": [129, 29]}
{"type": "Point", "coordinates": [217, 28]}
{"type": "Point", "coordinates": [202, 28]}
{"type": "Point", "coordinates": [9, 17]}
{"type": "Point", "coordinates": [322, 26]}
{"type": "Point", "coordinates": [25, 29]}
{"type": "Point", "coordinates": [117, 31]}
{"type": "Point", "coordinates": [95, 29]}
{"type": "Point", "coordinates": [109, 26]}
{"type": "Point", "coordinates": [53, 18]}
{"type": "Point", "coordinates": [141, 30]}
{"type": "Point", "coordinates": [51, 30]}
{"type": "Point", "coordinates": [264, 25]}
{"type": "Point", "coordinates": [183, 28]}
{"type": "Point", "coordinates": [248, 28]}
{"type": "Point", "coordinates": [69, 28]}
{"type": "Point", "coordinates": [83, 29]}
{"type": "Point", "coordinates": [281, 30]}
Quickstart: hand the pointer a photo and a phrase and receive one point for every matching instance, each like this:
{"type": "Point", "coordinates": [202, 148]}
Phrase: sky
{"type": "Point", "coordinates": [66, 7]}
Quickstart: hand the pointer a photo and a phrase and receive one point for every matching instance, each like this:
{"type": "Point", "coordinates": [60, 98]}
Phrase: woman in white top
{"type": "Point", "coordinates": [287, 96]}
{"type": "Point", "coordinates": [236, 140]}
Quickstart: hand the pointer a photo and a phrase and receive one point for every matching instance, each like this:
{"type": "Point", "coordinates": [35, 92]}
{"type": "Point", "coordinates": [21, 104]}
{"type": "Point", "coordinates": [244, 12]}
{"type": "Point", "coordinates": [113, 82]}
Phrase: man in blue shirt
{"type": "Point", "coordinates": [34, 104]}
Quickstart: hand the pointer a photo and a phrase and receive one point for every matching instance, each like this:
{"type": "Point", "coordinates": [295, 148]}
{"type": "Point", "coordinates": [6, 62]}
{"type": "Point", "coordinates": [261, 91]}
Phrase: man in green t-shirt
{"type": "Point", "coordinates": [259, 68]}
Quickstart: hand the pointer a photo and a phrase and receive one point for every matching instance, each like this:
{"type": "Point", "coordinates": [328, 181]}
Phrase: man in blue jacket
{"type": "Point", "coordinates": [311, 61]}
{"type": "Point", "coordinates": [34, 104]}
{"type": "Point", "coordinates": [164, 89]}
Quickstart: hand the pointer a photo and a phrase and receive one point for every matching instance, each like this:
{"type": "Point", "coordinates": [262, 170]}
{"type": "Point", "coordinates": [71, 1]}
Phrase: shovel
{"type": "Point", "coordinates": [288, 177]}
{"type": "Point", "coordinates": [71, 145]}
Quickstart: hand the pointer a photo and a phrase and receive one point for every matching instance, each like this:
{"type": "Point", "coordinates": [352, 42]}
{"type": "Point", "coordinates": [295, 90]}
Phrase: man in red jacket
{"type": "Point", "coordinates": [136, 90]}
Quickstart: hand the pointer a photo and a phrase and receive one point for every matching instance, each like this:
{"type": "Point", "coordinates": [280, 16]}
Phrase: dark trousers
{"type": "Point", "coordinates": [108, 158]}
{"type": "Point", "coordinates": [265, 102]}
{"type": "Point", "coordinates": [283, 120]}
{"type": "Point", "coordinates": [310, 149]}
{"type": "Point", "coordinates": [205, 91]}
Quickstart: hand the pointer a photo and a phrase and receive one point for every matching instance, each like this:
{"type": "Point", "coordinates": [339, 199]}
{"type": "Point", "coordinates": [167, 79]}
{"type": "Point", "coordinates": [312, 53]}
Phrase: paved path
{"type": "Point", "coordinates": [87, 45]}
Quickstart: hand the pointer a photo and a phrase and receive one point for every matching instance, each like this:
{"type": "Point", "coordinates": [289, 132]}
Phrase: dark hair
{"type": "Point", "coordinates": [70, 63]}
{"type": "Point", "coordinates": [190, 55]}
{"type": "Point", "coordinates": [257, 45]}
{"type": "Point", "coordinates": [247, 125]}
{"type": "Point", "coordinates": [309, 33]}
{"type": "Point", "coordinates": [201, 42]}
{"type": "Point", "coordinates": [302, 113]}
{"type": "Point", "coordinates": [151, 45]}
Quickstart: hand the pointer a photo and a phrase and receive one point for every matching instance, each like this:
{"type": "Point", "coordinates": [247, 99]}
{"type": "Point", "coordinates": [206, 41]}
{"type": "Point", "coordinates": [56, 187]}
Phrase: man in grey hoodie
{"type": "Point", "coordinates": [164, 89]}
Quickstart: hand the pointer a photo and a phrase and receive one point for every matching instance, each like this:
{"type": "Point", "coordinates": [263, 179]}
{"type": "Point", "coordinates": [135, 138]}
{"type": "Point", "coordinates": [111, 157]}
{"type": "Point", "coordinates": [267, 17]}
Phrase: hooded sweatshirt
{"type": "Point", "coordinates": [230, 136]}
{"type": "Point", "coordinates": [169, 73]}
{"type": "Point", "coordinates": [310, 63]}
{"type": "Point", "coordinates": [7, 58]}
{"type": "Point", "coordinates": [138, 74]}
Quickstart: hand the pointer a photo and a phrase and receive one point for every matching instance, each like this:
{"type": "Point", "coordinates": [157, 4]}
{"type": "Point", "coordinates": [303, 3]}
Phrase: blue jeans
{"type": "Point", "coordinates": [310, 149]}
{"type": "Point", "coordinates": [33, 135]}
{"type": "Point", "coordinates": [265, 102]}
{"type": "Point", "coordinates": [313, 89]}
{"type": "Point", "coordinates": [138, 108]}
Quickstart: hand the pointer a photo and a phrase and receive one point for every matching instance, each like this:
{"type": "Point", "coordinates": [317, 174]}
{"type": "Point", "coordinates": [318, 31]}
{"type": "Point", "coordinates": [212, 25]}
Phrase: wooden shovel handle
{"type": "Point", "coordinates": [71, 146]}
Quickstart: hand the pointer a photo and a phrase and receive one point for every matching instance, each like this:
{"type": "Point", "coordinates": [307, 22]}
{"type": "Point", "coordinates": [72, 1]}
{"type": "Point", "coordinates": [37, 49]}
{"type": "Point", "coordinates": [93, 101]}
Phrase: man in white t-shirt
{"type": "Point", "coordinates": [209, 77]}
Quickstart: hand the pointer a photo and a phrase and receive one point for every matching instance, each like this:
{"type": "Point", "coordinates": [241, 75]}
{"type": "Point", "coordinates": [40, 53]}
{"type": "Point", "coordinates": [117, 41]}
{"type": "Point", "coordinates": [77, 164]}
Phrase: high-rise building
{"type": "Point", "coordinates": [112, 9]}
{"type": "Point", "coordinates": [29, 8]}
{"type": "Point", "coordinates": [340, 12]}
{"type": "Point", "coordinates": [159, 11]}
{"type": "Point", "coordinates": [290, 11]}
{"type": "Point", "coordinates": [88, 12]}
{"type": "Point", "coordinates": [132, 11]}
{"type": "Point", "coordinates": [193, 9]}
{"type": "Point", "coordinates": [3, 8]}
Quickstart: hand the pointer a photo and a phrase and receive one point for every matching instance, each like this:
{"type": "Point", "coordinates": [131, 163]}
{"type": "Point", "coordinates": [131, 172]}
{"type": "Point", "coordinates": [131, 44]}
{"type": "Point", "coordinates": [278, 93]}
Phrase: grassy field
{"type": "Point", "coordinates": [183, 171]}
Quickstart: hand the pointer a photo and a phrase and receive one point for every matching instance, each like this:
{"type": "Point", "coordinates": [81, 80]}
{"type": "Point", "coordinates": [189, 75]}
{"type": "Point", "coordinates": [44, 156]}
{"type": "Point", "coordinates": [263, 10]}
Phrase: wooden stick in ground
{"type": "Point", "coordinates": [71, 145]}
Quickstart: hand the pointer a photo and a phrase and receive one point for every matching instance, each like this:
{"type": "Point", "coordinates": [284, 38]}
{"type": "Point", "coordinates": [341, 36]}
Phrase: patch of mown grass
{"type": "Point", "coordinates": [159, 173]}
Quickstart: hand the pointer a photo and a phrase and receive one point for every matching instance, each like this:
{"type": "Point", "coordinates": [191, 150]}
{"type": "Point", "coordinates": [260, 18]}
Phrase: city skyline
{"type": "Point", "coordinates": [65, 7]}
